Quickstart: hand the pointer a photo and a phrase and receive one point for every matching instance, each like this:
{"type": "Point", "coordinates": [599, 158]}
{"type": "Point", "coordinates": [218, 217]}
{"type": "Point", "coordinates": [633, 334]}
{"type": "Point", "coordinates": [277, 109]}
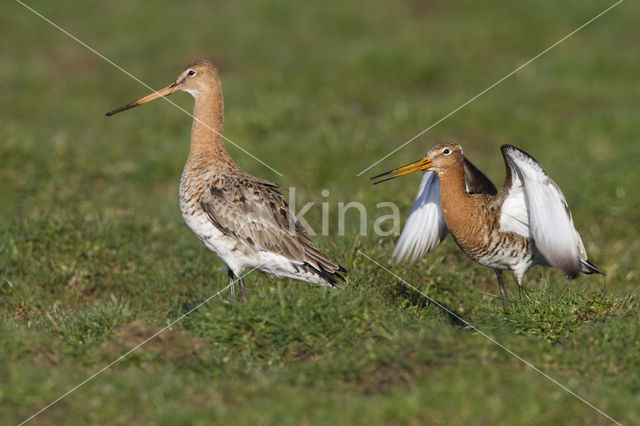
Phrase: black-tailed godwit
{"type": "Point", "coordinates": [245, 220]}
{"type": "Point", "coordinates": [526, 223]}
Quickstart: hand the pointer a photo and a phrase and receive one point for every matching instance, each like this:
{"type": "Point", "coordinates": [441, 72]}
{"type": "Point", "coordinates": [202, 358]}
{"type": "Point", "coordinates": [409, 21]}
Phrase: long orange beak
{"type": "Point", "coordinates": [422, 164]}
{"type": "Point", "coordinates": [165, 91]}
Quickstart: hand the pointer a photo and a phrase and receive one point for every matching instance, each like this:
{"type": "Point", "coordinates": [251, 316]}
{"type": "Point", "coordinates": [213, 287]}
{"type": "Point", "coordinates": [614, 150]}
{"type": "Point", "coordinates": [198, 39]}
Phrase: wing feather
{"type": "Point", "coordinates": [550, 221]}
{"type": "Point", "coordinates": [425, 227]}
{"type": "Point", "coordinates": [254, 212]}
{"type": "Point", "coordinates": [477, 182]}
{"type": "Point", "coordinates": [514, 215]}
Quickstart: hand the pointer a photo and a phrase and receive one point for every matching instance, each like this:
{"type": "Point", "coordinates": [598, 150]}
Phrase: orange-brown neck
{"type": "Point", "coordinates": [207, 146]}
{"type": "Point", "coordinates": [457, 205]}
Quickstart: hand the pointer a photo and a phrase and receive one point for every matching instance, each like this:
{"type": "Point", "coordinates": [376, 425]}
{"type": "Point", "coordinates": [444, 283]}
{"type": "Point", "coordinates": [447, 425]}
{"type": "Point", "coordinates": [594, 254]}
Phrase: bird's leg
{"type": "Point", "coordinates": [520, 289]}
{"type": "Point", "coordinates": [245, 295]}
{"type": "Point", "coordinates": [501, 283]}
{"type": "Point", "coordinates": [232, 286]}
{"type": "Point", "coordinates": [519, 278]}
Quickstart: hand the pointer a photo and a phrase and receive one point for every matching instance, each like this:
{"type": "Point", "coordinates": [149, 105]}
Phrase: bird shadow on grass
{"type": "Point", "coordinates": [402, 295]}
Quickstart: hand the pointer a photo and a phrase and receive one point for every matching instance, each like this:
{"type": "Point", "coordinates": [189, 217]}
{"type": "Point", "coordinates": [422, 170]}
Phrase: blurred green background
{"type": "Point", "coordinates": [94, 256]}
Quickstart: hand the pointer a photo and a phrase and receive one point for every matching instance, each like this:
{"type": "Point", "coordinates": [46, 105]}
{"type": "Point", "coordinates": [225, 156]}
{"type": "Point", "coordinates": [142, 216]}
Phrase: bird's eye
{"type": "Point", "coordinates": [191, 73]}
{"type": "Point", "coordinates": [446, 151]}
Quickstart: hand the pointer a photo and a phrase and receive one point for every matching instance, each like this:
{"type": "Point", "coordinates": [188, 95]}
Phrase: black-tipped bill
{"type": "Point", "coordinates": [165, 91]}
{"type": "Point", "coordinates": [422, 164]}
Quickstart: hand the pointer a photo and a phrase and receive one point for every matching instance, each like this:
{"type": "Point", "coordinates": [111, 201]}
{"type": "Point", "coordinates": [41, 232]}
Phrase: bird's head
{"type": "Point", "coordinates": [197, 78]}
{"type": "Point", "coordinates": [438, 159]}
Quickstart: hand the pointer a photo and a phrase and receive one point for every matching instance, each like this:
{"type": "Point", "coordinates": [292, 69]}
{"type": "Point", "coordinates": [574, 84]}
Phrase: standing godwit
{"type": "Point", "coordinates": [245, 220]}
{"type": "Point", "coordinates": [526, 223]}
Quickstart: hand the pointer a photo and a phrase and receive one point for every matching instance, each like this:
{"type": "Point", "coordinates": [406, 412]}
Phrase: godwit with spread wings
{"type": "Point", "coordinates": [245, 220]}
{"type": "Point", "coordinates": [526, 223]}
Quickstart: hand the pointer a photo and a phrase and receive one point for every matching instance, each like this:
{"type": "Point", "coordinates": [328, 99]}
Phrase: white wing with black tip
{"type": "Point", "coordinates": [535, 207]}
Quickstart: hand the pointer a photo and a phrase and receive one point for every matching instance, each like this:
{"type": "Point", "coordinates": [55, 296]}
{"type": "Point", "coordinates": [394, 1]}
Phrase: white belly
{"type": "Point", "coordinates": [216, 241]}
{"type": "Point", "coordinates": [238, 256]}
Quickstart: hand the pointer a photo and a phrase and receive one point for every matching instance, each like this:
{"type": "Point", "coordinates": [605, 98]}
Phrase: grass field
{"type": "Point", "coordinates": [95, 257]}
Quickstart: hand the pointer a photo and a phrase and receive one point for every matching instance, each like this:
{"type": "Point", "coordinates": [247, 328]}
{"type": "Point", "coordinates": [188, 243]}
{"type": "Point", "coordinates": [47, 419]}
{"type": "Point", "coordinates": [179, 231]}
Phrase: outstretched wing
{"type": "Point", "coordinates": [535, 207]}
{"type": "Point", "coordinates": [254, 212]}
{"type": "Point", "coordinates": [425, 227]}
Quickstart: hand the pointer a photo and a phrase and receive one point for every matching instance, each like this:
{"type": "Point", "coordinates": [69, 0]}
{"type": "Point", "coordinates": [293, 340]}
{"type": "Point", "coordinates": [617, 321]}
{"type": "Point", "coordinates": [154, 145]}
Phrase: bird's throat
{"type": "Point", "coordinates": [207, 144]}
{"type": "Point", "coordinates": [458, 207]}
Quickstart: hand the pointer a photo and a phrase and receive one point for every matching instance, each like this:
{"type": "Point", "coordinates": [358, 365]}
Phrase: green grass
{"type": "Point", "coordinates": [94, 256]}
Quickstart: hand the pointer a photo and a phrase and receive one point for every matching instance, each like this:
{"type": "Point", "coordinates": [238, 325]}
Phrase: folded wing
{"type": "Point", "coordinates": [254, 212]}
